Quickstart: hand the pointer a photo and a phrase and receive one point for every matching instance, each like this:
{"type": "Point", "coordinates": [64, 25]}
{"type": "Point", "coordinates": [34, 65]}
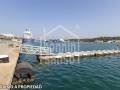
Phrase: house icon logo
{"type": "Point", "coordinates": [54, 42]}
{"type": "Point", "coordinates": [62, 28]}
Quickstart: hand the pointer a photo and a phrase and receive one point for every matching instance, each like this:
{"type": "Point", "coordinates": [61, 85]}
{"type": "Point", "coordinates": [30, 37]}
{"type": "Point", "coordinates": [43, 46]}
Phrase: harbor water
{"type": "Point", "coordinates": [90, 73]}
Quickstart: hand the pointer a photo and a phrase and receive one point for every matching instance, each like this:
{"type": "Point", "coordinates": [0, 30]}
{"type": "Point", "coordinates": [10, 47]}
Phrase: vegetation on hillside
{"type": "Point", "coordinates": [2, 37]}
{"type": "Point", "coordinates": [104, 39]}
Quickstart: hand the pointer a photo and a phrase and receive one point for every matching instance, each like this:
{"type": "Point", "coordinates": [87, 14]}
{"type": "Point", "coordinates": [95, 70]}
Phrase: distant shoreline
{"type": "Point", "coordinates": [97, 39]}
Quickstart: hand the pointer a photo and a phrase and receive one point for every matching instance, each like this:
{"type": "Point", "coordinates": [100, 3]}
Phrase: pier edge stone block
{"type": "Point", "coordinates": [4, 58]}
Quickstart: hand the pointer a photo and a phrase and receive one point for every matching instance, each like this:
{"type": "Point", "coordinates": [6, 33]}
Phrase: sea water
{"type": "Point", "coordinates": [90, 73]}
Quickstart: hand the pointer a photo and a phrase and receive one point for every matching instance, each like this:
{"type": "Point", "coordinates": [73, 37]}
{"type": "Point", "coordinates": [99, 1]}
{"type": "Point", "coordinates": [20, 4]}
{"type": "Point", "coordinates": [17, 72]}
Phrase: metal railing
{"type": "Point", "coordinates": [37, 50]}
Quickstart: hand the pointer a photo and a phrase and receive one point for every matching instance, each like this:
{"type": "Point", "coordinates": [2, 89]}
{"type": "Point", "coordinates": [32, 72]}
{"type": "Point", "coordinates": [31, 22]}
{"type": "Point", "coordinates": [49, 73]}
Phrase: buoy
{"type": "Point", "coordinates": [23, 72]}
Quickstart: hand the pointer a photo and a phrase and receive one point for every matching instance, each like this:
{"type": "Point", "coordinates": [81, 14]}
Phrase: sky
{"type": "Point", "coordinates": [85, 18]}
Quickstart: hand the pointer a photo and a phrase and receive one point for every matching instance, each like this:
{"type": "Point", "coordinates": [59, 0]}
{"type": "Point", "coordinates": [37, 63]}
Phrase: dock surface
{"type": "Point", "coordinates": [7, 69]}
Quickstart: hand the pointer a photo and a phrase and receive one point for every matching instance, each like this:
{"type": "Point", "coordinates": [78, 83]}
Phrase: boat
{"type": "Point", "coordinates": [56, 40]}
{"type": "Point", "coordinates": [27, 37]}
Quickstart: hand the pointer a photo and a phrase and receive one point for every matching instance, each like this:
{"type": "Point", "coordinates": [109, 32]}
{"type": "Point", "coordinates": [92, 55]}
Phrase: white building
{"type": "Point", "coordinates": [7, 34]}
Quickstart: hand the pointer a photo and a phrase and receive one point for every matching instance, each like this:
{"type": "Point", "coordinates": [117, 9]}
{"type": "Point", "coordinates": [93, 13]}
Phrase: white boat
{"type": "Point", "coordinates": [27, 37]}
{"type": "Point", "coordinates": [27, 34]}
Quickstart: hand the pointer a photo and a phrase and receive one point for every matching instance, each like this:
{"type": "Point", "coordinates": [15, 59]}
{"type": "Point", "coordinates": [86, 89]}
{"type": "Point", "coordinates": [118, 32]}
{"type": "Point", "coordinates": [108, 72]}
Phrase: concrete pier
{"type": "Point", "coordinates": [79, 54]}
{"type": "Point", "coordinates": [7, 69]}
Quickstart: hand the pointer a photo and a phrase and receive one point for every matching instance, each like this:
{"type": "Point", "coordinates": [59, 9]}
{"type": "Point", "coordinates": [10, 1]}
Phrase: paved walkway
{"type": "Point", "coordinates": [7, 69]}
